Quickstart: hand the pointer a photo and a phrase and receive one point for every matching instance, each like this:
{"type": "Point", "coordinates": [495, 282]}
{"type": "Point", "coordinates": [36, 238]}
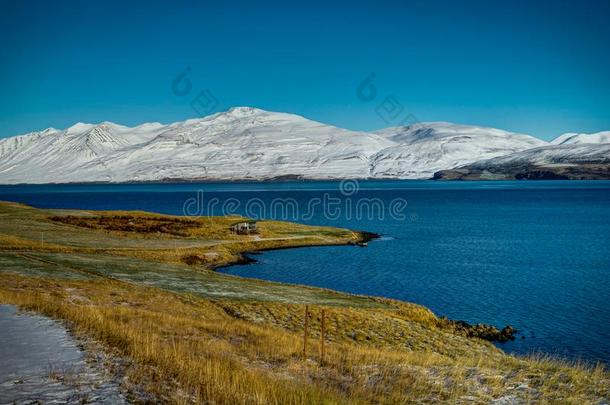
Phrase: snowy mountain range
{"type": "Point", "coordinates": [249, 143]}
{"type": "Point", "coordinates": [574, 138]}
{"type": "Point", "coordinates": [563, 161]}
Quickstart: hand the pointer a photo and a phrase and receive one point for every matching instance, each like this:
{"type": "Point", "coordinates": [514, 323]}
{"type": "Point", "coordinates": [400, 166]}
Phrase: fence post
{"type": "Point", "coordinates": [305, 332]}
{"type": "Point", "coordinates": [322, 330]}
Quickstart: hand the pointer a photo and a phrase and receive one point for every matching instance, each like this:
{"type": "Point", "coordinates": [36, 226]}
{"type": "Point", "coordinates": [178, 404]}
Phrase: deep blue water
{"type": "Point", "coordinates": [534, 255]}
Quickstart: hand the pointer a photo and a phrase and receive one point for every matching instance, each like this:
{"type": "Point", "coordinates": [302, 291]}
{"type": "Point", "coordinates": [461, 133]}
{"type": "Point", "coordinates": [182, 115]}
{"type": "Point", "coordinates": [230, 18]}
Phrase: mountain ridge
{"type": "Point", "coordinates": [246, 143]}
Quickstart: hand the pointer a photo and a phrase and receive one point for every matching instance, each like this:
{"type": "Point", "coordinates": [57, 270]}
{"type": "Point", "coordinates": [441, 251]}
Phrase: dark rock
{"type": "Point", "coordinates": [481, 330]}
{"type": "Point", "coordinates": [540, 175]}
{"type": "Point", "coordinates": [368, 236]}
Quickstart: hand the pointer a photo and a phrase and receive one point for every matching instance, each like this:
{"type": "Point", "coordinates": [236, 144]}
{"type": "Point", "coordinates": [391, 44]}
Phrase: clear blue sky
{"type": "Point", "coordinates": [537, 67]}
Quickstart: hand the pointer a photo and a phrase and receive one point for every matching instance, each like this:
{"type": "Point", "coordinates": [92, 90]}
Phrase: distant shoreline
{"type": "Point", "coordinates": [245, 258]}
{"type": "Point", "coordinates": [439, 178]}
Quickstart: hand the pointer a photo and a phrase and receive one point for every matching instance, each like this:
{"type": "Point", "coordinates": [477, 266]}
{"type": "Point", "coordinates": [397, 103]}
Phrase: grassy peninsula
{"type": "Point", "coordinates": [142, 285]}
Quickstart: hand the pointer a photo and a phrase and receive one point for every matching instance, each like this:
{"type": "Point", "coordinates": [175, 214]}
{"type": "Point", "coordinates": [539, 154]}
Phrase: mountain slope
{"type": "Point", "coordinates": [242, 143]}
{"type": "Point", "coordinates": [423, 149]}
{"type": "Point", "coordinates": [574, 138]}
{"type": "Point", "coordinates": [247, 143]}
{"type": "Point", "coordinates": [564, 161]}
{"type": "Point", "coordinates": [51, 155]}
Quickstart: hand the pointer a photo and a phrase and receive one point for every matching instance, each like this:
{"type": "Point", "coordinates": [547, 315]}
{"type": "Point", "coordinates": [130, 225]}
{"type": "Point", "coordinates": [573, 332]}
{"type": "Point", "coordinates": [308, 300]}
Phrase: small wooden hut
{"type": "Point", "coordinates": [244, 227]}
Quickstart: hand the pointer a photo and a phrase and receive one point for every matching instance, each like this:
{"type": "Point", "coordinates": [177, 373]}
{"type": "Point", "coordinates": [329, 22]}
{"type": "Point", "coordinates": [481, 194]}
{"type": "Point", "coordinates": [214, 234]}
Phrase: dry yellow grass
{"type": "Point", "coordinates": [204, 241]}
{"type": "Point", "coordinates": [186, 345]}
{"type": "Point", "coordinates": [201, 344]}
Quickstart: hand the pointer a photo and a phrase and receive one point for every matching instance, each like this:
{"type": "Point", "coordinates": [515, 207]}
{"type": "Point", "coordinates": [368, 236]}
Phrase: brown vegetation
{"type": "Point", "coordinates": [131, 223]}
{"type": "Point", "coordinates": [195, 336]}
{"type": "Point", "coordinates": [194, 350]}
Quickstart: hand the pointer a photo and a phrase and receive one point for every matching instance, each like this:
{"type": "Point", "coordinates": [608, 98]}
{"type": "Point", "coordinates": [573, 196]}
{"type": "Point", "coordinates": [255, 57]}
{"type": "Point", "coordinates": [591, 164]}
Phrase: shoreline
{"type": "Point", "coordinates": [240, 337]}
{"type": "Point", "coordinates": [239, 253]}
{"type": "Point", "coordinates": [480, 330]}
{"type": "Point", "coordinates": [244, 258]}
{"type": "Point", "coordinates": [434, 179]}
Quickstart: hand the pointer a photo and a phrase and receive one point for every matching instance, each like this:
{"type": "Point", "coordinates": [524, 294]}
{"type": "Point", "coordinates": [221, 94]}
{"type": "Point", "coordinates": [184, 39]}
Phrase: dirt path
{"type": "Point", "coordinates": [41, 363]}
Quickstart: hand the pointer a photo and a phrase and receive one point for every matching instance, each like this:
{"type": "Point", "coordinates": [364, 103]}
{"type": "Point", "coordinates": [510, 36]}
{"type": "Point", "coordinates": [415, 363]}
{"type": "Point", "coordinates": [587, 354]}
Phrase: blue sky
{"type": "Point", "coordinates": [538, 68]}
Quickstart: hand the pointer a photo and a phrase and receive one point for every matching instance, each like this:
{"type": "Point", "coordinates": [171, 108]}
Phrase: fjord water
{"type": "Point", "coordinates": [534, 255]}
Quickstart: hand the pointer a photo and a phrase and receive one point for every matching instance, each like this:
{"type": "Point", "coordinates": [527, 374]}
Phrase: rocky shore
{"type": "Point", "coordinates": [481, 330]}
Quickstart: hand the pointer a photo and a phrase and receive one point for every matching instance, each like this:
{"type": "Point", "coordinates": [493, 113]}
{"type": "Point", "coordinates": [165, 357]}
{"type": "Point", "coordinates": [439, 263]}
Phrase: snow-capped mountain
{"type": "Point", "coordinates": [564, 161]}
{"type": "Point", "coordinates": [422, 149]}
{"type": "Point", "coordinates": [57, 156]}
{"type": "Point", "coordinates": [247, 143]}
{"type": "Point", "coordinates": [573, 138]}
{"type": "Point", "coordinates": [564, 154]}
{"type": "Point", "coordinates": [243, 143]}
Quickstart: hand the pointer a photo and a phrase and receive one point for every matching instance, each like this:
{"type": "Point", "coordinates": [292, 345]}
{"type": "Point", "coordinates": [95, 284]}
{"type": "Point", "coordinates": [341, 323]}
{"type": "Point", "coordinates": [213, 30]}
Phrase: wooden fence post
{"type": "Point", "coordinates": [305, 332]}
{"type": "Point", "coordinates": [322, 330]}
